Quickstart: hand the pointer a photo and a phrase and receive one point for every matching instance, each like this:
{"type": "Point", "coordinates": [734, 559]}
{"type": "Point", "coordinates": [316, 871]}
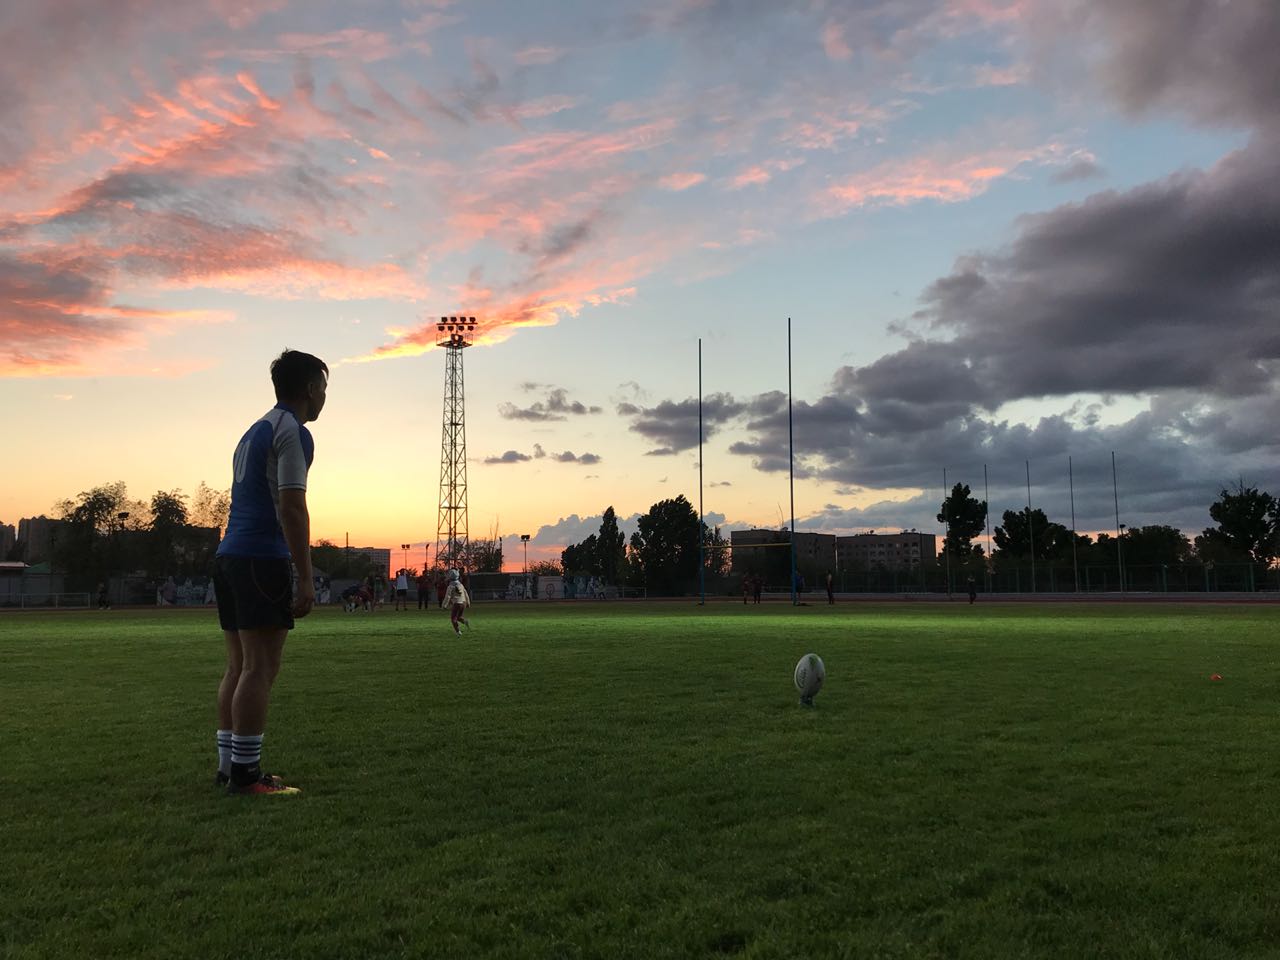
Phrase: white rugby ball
{"type": "Point", "coordinates": [810, 675]}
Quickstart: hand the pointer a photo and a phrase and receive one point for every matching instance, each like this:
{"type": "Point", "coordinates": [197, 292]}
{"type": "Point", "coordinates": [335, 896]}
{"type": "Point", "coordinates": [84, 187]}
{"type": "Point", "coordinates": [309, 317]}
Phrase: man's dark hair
{"type": "Point", "coordinates": [293, 370]}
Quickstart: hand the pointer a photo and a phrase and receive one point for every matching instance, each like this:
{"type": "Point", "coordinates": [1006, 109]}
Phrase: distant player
{"type": "Point", "coordinates": [458, 600]}
{"type": "Point", "coordinates": [402, 590]}
{"type": "Point", "coordinates": [257, 602]}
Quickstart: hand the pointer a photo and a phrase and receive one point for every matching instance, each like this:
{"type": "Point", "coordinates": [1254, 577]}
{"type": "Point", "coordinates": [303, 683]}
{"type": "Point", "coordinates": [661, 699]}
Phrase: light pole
{"type": "Point", "coordinates": [1120, 554]}
{"type": "Point", "coordinates": [524, 539]}
{"type": "Point", "coordinates": [405, 548]}
{"type": "Point", "coordinates": [121, 517]}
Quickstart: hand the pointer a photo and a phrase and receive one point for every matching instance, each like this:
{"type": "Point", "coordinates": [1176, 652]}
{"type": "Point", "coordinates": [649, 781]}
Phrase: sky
{"type": "Point", "coordinates": [1017, 235]}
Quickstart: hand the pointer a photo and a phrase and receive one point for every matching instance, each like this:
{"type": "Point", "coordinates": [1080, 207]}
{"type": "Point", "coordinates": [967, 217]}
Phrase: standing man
{"type": "Point", "coordinates": [973, 590]}
{"type": "Point", "coordinates": [257, 602]}
{"type": "Point", "coordinates": [457, 598]}
{"type": "Point", "coordinates": [831, 589]}
{"type": "Point", "coordinates": [402, 589]}
{"type": "Point", "coordinates": [424, 591]}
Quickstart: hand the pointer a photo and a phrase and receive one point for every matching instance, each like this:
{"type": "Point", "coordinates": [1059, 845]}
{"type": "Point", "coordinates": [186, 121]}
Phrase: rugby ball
{"type": "Point", "coordinates": [810, 675]}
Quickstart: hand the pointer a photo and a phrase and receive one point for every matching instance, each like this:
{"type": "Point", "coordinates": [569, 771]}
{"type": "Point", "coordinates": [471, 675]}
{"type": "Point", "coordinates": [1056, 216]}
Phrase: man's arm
{"type": "Point", "coordinates": [296, 523]}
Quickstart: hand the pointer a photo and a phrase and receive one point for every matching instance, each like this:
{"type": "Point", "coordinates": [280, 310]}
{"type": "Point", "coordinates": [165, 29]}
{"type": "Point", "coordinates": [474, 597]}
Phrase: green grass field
{"type": "Point", "coordinates": [638, 781]}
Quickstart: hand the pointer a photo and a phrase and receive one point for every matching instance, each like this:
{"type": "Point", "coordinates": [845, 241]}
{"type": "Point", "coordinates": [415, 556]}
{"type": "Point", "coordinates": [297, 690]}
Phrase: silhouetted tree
{"type": "Point", "coordinates": [582, 559]}
{"type": "Point", "coordinates": [611, 548]}
{"type": "Point", "coordinates": [665, 547]}
{"type": "Point", "coordinates": [1155, 545]}
{"type": "Point", "coordinates": [1025, 534]}
{"type": "Point", "coordinates": [1248, 525]}
{"type": "Point", "coordinates": [966, 518]}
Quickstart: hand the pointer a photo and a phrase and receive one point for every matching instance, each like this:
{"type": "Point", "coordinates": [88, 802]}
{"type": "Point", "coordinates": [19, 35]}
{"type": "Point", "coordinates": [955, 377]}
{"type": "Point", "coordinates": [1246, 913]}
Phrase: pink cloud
{"type": "Point", "coordinates": [938, 178]}
{"type": "Point", "coordinates": [988, 75]}
{"type": "Point", "coordinates": [751, 176]}
{"type": "Point", "coordinates": [246, 80]}
{"type": "Point", "coordinates": [761, 173]}
{"type": "Point", "coordinates": [239, 14]}
{"type": "Point", "coordinates": [365, 46]}
{"type": "Point", "coordinates": [834, 43]}
{"type": "Point", "coordinates": [555, 153]}
{"type": "Point", "coordinates": [677, 182]}
{"type": "Point", "coordinates": [58, 318]}
{"type": "Point", "coordinates": [537, 302]}
{"type": "Point", "coordinates": [538, 56]}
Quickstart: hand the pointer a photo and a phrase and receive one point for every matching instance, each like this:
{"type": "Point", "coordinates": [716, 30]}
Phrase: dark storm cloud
{"type": "Point", "coordinates": [1166, 294]}
{"type": "Point", "coordinates": [556, 406]}
{"type": "Point", "coordinates": [674, 424]}
{"type": "Point", "coordinates": [1171, 285]}
{"type": "Point", "coordinates": [1213, 61]}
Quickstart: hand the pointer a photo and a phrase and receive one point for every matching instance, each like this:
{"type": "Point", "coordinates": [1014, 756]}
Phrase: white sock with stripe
{"type": "Point", "coordinates": [224, 752]}
{"type": "Point", "coordinates": [246, 750]}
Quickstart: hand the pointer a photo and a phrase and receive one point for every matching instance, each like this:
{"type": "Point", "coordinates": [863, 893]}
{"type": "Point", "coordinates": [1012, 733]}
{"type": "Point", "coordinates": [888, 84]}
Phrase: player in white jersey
{"type": "Point", "coordinates": [457, 599]}
{"type": "Point", "coordinates": [257, 602]}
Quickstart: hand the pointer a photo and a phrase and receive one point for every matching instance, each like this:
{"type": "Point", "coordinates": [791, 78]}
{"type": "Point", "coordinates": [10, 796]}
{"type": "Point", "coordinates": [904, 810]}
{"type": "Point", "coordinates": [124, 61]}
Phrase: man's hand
{"type": "Point", "coordinates": [304, 599]}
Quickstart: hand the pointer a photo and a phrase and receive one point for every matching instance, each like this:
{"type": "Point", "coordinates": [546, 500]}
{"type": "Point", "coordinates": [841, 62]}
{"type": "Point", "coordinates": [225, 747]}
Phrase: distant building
{"type": "Point", "coordinates": [8, 537]}
{"type": "Point", "coordinates": [379, 557]}
{"type": "Point", "coordinates": [38, 536]}
{"type": "Point", "coordinates": [767, 553]}
{"type": "Point", "coordinates": [892, 551]}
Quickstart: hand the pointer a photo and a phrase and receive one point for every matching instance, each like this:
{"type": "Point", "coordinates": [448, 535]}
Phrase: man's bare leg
{"type": "Point", "coordinates": [231, 677]}
{"type": "Point", "coordinates": [226, 688]}
{"type": "Point", "coordinates": [261, 651]}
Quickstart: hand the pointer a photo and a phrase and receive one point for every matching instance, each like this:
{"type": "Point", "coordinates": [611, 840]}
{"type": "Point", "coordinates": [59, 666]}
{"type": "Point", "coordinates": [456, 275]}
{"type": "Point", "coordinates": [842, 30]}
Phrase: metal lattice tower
{"type": "Point", "coordinates": [451, 525]}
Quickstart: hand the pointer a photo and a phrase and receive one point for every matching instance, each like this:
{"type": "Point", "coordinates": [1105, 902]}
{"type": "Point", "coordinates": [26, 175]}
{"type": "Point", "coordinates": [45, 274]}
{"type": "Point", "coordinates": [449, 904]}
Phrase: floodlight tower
{"type": "Point", "coordinates": [451, 525]}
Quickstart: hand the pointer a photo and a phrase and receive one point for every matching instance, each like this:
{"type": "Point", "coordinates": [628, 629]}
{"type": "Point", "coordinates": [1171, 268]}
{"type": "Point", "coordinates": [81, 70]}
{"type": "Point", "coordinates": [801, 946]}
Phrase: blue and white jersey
{"type": "Point", "coordinates": [273, 455]}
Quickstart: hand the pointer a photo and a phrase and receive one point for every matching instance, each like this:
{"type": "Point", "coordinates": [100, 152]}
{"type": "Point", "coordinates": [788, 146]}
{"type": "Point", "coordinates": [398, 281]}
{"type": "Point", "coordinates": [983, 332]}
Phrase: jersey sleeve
{"type": "Point", "coordinates": [291, 458]}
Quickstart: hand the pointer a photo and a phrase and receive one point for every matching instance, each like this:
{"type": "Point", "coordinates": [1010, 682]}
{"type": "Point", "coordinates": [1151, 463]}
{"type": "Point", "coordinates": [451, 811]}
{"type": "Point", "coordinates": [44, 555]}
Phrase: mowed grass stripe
{"type": "Point", "coordinates": [638, 781]}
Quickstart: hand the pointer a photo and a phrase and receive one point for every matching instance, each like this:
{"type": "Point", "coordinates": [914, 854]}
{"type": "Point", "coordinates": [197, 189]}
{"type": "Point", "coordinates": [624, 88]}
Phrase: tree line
{"type": "Point", "coordinates": [1247, 532]}
{"type": "Point", "coordinates": [662, 556]}
{"type": "Point", "coordinates": [104, 531]}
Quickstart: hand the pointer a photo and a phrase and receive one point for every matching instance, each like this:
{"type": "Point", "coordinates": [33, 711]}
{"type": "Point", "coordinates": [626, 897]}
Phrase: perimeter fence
{"type": "Point", "coordinates": [1057, 578]}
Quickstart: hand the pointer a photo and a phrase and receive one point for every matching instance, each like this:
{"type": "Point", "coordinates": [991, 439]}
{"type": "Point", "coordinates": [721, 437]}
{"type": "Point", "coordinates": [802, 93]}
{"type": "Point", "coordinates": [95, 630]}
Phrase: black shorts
{"type": "Point", "coordinates": [254, 593]}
